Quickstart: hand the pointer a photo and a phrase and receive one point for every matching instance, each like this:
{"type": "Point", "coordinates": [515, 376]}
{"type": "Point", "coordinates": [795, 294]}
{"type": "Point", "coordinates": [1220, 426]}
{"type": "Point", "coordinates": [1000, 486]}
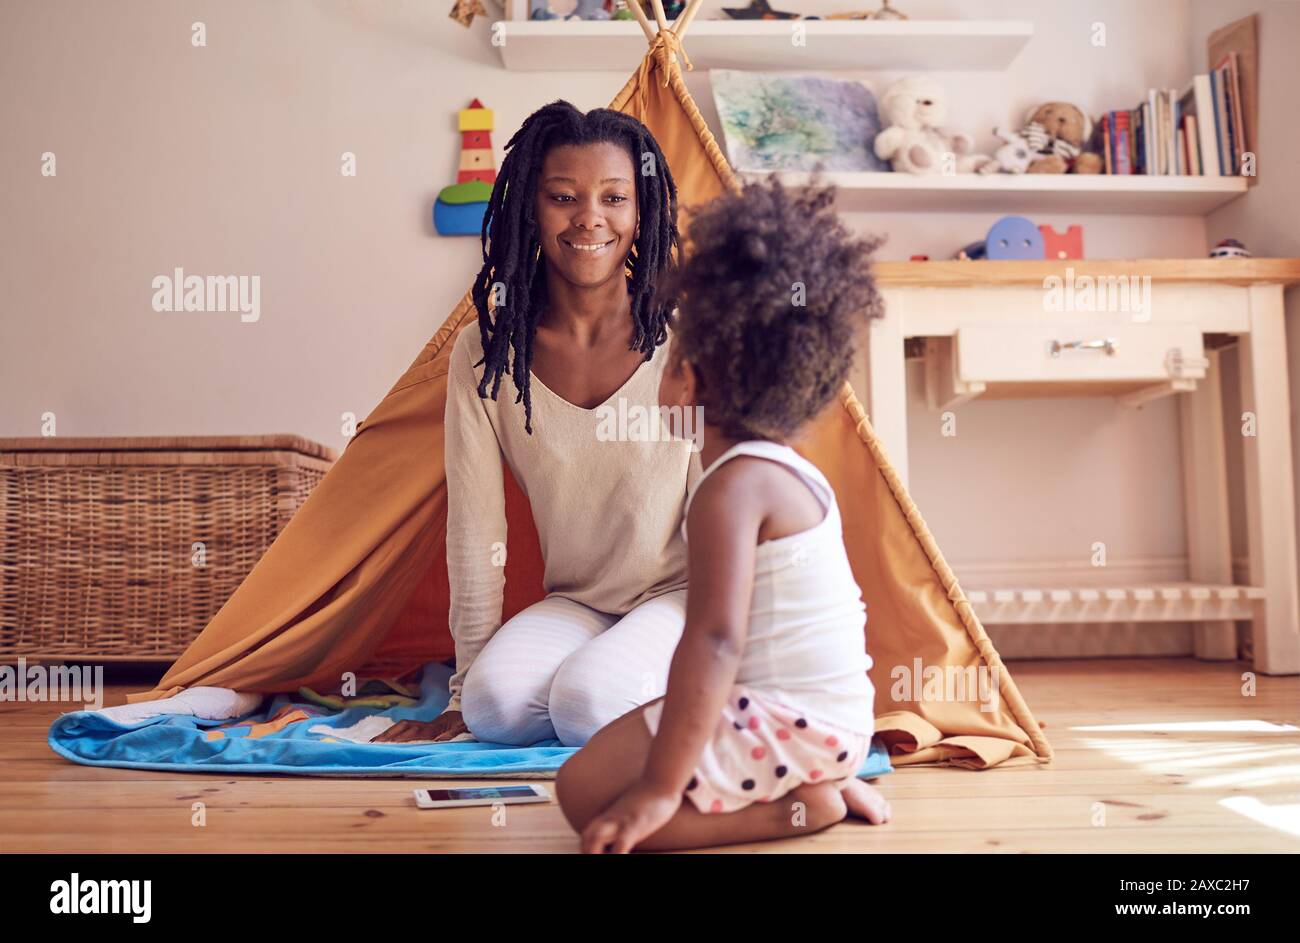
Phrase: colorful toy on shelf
{"type": "Point", "coordinates": [581, 10]}
{"type": "Point", "coordinates": [1062, 245]}
{"type": "Point", "coordinates": [590, 10]}
{"type": "Point", "coordinates": [758, 10]}
{"type": "Point", "coordinates": [459, 209]}
{"type": "Point", "coordinates": [1014, 237]}
{"type": "Point", "coordinates": [1229, 249]}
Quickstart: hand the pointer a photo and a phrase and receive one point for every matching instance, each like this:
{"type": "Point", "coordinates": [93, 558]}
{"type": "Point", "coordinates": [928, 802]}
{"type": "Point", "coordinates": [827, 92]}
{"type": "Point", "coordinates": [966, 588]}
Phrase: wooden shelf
{"type": "Point", "coordinates": [994, 274]}
{"type": "Point", "coordinates": [867, 192]}
{"type": "Point", "coordinates": [947, 45]}
{"type": "Point", "coordinates": [1163, 602]}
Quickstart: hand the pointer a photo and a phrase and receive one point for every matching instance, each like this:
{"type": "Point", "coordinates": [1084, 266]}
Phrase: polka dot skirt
{"type": "Point", "coordinates": [762, 749]}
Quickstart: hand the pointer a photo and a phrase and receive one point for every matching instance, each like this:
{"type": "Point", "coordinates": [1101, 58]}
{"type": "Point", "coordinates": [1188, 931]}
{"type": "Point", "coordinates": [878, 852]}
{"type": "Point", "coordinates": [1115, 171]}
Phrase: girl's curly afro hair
{"type": "Point", "coordinates": [772, 291]}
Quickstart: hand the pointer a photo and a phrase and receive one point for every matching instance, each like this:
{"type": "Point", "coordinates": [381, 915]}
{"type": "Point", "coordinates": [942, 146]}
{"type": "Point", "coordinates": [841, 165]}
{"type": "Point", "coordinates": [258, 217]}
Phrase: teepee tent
{"type": "Point", "coordinates": [357, 580]}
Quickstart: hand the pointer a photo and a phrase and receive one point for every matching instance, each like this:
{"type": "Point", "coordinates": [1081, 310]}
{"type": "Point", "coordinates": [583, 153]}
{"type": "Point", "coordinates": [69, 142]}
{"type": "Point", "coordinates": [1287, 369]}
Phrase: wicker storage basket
{"type": "Point", "coordinates": [122, 549]}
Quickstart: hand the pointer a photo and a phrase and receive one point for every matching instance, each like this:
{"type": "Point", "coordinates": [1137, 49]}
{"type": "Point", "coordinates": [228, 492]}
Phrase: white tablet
{"type": "Point", "coordinates": [480, 795]}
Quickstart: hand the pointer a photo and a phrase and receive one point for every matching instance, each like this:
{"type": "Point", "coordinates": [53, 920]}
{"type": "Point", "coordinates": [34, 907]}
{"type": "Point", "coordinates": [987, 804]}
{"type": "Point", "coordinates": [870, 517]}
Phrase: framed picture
{"type": "Point", "coordinates": [774, 121]}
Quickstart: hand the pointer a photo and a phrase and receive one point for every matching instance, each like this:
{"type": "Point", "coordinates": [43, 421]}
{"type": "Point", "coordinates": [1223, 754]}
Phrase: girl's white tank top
{"type": "Point", "coordinates": [807, 640]}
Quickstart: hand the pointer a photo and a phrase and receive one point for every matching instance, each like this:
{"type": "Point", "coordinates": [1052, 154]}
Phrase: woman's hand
{"type": "Point", "coordinates": [446, 725]}
{"type": "Point", "coordinates": [636, 815]}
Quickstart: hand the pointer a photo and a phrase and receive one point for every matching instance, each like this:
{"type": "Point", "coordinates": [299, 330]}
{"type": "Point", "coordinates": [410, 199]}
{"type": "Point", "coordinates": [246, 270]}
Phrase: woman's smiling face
{"type": "Point", "coordinates": [586, 211]}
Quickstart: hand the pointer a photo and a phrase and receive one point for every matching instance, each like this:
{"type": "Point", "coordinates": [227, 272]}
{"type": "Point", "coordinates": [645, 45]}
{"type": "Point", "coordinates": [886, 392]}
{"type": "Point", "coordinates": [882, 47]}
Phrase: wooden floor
{"type": "Point", "coordinates": [1151, 756]}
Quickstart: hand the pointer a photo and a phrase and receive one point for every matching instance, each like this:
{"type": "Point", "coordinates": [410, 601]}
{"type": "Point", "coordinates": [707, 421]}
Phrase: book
{"type": "Point", "coordinates": [1132, 141]}
{"type": "Point", "coordinates": [1122, 163]}
{"type": "Point", "coordinates": [1229, 143]}
{"type": "Point", "coordinates": [1194, 165]}
{"type": "Point", "coordinates": [1235, 124]}
{"type": "Point", "coordinates": [1221, 123]}
{"type": "Point", "coordinates": [1105, 143]}
{"type": "Point", "coordinates": [1165, 151]}
{"type": "Point", "coordinates": [1153, 107]}
{"type": "Point", "coordinates": [1187, 108]}
{"type": "Point", "coordinates": [1140, 139]}
{"type": "Point", "coordinates": [1172, 97]}
{"type": "Point", "coordinates": [1205, 126]}
{"type": "Point", "coordinates": [1148, 130]}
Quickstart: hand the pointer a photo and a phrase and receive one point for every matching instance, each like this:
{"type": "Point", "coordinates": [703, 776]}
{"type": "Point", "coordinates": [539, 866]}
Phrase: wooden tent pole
{"type": "Point", "coordinates": [659, 14]}
{"type": "Point", "coordinates": [641, 18]}
{"type": "Point", "coordinates": [684, 20]}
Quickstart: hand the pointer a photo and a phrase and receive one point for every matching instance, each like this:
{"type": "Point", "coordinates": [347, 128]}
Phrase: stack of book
{"type": "Point", "coordinates": [1200, 132]}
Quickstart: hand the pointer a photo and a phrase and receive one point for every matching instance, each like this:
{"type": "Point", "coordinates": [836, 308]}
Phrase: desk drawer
{"type": "Point", "coordinates": [1078, 352]}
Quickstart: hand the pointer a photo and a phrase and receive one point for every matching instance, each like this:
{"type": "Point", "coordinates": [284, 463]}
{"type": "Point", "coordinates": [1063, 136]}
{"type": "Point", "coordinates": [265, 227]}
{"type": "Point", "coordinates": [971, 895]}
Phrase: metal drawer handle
{"type": "Point", "coordinates": [1108, 344]}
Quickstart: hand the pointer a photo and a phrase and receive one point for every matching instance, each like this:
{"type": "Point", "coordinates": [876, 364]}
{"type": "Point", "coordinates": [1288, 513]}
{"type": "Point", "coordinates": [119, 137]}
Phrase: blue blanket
{"type": "Point", "coordinates": [278, 738]}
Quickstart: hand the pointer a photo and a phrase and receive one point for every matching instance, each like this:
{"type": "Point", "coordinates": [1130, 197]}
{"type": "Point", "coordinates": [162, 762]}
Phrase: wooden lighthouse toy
{"type": "Point", "coordinates": [459, 209]}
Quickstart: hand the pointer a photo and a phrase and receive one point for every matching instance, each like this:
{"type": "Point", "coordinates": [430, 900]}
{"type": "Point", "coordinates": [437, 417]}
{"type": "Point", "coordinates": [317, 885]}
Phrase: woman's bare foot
{"type": "Point", "coordinates": [865, 802]}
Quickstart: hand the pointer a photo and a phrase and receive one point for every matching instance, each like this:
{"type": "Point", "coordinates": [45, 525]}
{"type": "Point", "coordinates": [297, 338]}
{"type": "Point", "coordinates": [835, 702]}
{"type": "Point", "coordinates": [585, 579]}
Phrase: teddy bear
{"type": "Point", "coordinates": [914, 140]}
{"type": "Point", "coordinates": [1058, 134]}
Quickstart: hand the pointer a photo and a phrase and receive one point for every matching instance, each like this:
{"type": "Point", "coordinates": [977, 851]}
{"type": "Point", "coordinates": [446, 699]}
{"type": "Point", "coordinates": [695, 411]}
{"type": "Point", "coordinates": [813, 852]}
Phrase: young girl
{"type": "Point", "coordinates": [768, 713]}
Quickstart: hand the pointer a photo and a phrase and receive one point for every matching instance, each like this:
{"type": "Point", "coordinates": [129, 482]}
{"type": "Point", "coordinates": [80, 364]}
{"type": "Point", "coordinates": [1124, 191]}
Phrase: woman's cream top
{"type": "Point", "coordinates": [607, 487]}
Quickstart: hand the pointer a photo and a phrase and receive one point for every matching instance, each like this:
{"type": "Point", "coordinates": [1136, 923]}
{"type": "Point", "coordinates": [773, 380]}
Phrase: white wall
{"type": "Point", "coordinates": [226, 160]}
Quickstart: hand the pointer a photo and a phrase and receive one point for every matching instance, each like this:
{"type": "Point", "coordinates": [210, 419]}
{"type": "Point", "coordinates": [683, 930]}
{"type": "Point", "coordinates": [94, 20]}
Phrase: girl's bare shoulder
{"type": "Point", "coordinates": [739, 488]}
{"type": "Point", "coordinates": [750, 489]}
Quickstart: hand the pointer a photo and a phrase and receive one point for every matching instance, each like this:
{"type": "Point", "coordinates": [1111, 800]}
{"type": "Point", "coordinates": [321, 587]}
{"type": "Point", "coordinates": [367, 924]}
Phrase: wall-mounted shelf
{"type": "Point", "coordinates": [866, 192]}
{"type": "Point", "coordinates": [985, 273]}
{"type": "Point", "coordinates": [947, 45]}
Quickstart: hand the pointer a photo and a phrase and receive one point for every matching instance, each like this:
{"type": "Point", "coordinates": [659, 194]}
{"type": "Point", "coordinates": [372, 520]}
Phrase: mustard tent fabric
{"type": "Point", "coordinates": [357, 580]}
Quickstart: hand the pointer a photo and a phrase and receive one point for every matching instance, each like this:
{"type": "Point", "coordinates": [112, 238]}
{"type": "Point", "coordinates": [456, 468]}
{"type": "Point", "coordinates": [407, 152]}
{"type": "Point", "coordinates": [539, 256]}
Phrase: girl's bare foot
{"type": "Point", "coordinates": [865, 802]}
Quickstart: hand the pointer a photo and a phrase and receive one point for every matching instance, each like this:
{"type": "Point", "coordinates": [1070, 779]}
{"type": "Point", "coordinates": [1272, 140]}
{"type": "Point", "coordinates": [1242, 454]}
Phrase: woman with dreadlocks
{"type": "Point", "coordinates": [580, 227]}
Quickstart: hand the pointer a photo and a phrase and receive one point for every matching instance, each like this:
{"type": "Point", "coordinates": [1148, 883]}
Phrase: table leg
{"type": "Point", "coordinates": [1205, 499]}
{"type": "Point", "coordinates": [886, 382]}
{"type": "Point", "coordinates": [1270, 494]}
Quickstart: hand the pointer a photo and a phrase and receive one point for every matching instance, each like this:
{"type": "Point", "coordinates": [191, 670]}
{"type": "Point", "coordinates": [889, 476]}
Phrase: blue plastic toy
{"type": "Point", "coordinates": [1014, 237]}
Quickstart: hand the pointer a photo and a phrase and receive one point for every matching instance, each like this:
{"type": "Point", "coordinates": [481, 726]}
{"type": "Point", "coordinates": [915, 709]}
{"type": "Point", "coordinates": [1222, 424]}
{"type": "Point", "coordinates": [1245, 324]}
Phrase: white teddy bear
{"type": "Point", "coordinates": [914, 140]}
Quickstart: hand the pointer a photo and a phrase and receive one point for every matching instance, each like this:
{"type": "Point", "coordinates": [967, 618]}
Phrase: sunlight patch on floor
{"type": "Point", "coordinates": [1284, 818]}
{"type": "Point", "coordinates": [1197, 726]}
{"type": "Point", "coordinates": [1277, 776]}
{"type": "Point", "coordinates": [1208, 761]}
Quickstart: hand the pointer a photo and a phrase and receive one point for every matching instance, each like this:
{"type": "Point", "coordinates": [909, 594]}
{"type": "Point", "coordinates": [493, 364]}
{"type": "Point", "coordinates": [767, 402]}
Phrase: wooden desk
{"type": "Point", "coordinates": [988, 329]}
